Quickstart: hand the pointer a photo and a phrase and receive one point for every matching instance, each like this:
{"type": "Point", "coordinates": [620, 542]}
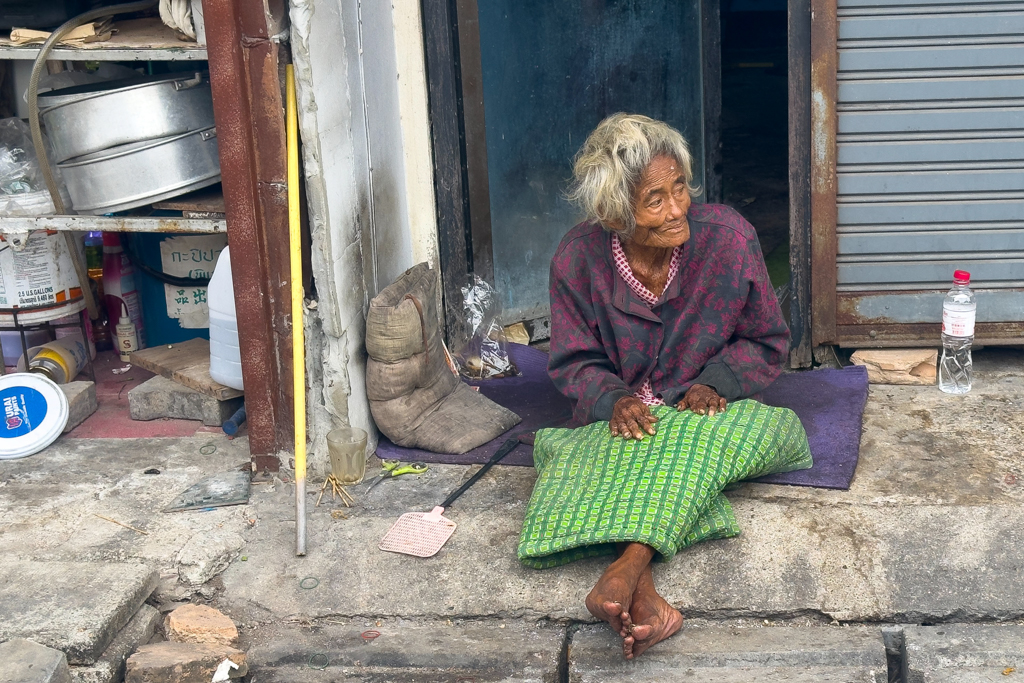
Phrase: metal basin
{"type": "Point", "coordinates": [90, 118]}
{"type": "Point", "coordinates": [141, 173]}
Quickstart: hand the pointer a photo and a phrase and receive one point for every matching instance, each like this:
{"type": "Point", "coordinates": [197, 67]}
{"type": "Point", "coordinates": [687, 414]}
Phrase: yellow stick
{"type": "Point", "coordinates": [108, 519]}
{"type": "Point", "coordinates": [298, 336]}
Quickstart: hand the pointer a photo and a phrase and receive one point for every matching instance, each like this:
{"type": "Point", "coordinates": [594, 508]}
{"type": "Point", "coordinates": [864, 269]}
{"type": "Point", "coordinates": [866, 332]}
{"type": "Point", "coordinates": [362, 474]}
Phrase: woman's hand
{"type": "Point", "coordinates": [631, 418]}
{"type": "Point", "coordinates": [702, 400]}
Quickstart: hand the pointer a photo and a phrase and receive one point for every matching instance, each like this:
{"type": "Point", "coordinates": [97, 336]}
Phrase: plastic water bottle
{"type": "Point", "coordinates": [958, 314]}
{"type": "Point", "coordinates": [225, 356]}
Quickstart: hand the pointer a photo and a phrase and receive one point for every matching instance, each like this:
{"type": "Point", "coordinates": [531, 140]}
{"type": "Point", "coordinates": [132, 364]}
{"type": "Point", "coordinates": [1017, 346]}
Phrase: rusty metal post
{"type": "Point", "coordinates": [249, 109]}
{"type": "Point", "coordinates": [824, 211]}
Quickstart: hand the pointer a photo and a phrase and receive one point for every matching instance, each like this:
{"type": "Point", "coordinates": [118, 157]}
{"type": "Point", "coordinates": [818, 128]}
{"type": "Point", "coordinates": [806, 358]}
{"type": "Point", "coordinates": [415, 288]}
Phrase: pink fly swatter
{"type": "Point", "coordinates": [424, 533]}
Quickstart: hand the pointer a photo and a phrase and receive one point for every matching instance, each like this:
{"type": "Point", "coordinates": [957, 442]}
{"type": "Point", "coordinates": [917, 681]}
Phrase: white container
{"type": "Point", "coordinates": [40, 281]}
{"type": "Point", "coordinates": [959, 311]}
{"type": "Point", "coordinates": [225, 356]}
{"type": "Point", "coordinates": [35, 412]}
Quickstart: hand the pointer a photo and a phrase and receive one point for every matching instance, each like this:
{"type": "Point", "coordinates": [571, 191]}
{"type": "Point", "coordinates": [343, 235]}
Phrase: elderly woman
{"type": "Point", "coordinates": [659, 307]}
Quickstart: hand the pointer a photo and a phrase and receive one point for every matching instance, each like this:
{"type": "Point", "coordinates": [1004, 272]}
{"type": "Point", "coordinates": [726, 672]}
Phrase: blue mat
{"type": "Point", "coordinates": [829, 403]}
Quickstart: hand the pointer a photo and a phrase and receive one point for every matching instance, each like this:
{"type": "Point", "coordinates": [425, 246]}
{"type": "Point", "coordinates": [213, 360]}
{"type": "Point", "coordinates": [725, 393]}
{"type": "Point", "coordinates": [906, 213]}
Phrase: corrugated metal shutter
{"type": "Point", "coordinates": [930, 133]}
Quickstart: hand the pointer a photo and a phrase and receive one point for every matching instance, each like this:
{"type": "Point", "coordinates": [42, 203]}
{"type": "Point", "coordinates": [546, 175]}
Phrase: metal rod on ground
{"type": "Point", "coordinates": [298, 337]}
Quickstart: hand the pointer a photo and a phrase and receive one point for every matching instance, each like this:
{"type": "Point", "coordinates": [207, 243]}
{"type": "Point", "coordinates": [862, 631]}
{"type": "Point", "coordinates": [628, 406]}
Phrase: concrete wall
{"type": "Point", "coordinates": [367, 162]}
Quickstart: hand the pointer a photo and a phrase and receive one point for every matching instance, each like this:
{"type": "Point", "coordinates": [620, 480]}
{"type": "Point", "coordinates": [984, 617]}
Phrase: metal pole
{"type": "Point", "coordinates": [298, 336]}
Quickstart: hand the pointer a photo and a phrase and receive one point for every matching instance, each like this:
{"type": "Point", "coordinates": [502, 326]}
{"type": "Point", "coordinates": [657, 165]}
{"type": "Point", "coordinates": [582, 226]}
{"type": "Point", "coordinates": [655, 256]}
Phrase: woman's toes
{"type": "Point", "coordinates": [642, 631]}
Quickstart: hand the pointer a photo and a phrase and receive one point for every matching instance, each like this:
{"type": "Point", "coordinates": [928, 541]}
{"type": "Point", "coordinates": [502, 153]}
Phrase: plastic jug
{"type": "Point", "coordinates": [225, 357]}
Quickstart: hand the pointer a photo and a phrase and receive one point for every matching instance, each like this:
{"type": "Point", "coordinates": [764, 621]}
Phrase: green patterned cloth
{"type": "Point", "coordinates": [595, 490]}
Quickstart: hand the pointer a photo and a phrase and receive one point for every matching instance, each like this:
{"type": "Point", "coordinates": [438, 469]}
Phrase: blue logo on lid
{"type": "Point", "coordinates": [24, 410]}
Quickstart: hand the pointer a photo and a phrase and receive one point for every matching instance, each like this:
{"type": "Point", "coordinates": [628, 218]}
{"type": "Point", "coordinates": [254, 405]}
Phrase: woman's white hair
{"type": "Point", "coordinates": [612, 161]}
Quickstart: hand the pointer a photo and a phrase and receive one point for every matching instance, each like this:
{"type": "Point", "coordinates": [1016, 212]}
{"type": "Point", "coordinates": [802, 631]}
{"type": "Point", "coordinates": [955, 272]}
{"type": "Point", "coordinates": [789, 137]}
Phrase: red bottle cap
{"type": "Point", "coordinates": [113, 239]}
{"type": "Point", "coordinates": [961, 277]}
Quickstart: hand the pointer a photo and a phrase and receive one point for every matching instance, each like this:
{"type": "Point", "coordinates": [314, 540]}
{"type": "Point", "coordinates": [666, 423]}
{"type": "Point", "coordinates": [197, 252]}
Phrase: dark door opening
{"type": "Point", "coordinates": [755, 143]}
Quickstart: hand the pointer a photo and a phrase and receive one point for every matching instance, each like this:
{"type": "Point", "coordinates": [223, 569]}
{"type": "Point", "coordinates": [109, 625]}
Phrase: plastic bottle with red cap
{"type": "Point", "coordinates": [958, 314]}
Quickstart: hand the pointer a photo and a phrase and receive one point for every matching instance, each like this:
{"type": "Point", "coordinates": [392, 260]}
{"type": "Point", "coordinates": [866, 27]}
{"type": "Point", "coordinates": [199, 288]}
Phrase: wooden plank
{"type": "Point", "coordinates": [711, 41]}
{"type": "Point", "coordinates": [136, 39]}
{"type": "Point", "coordinates": [452, 202]}
{"type": "Point", "coordinates": [478, 187]}
{"type": "Point", "coordinates": [799, 49]}
{"type": "Point", "coordinates": [206, 200]}
{"type": "Point", "coordinates": [187, 363]}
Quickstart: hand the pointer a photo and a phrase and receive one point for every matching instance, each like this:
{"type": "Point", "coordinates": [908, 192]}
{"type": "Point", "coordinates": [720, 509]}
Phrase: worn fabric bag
{"type": "Point", "coordinates": [415, 399]}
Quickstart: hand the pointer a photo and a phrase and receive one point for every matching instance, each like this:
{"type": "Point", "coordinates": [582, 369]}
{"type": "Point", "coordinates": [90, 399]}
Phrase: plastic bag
{"type": "Point", "coordinates": [22, 187]}
{"type": "Point", "coordinates": [19, 169]}
{"type": "Point", "coordinates": [485, 355]}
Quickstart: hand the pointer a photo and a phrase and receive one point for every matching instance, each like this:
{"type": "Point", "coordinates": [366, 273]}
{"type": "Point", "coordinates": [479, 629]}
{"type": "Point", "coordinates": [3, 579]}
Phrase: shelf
{"type": "Point", "coordinates": [113, 224]}
{"type": "Point", "coordinates": [136, 40]}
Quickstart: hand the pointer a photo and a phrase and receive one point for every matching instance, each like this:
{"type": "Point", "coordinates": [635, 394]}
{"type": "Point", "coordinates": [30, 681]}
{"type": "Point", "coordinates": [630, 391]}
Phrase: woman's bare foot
{"type": "Point", "coordinates": [653, 618]}
{"type": "Point", "coordinates": [611, 598]}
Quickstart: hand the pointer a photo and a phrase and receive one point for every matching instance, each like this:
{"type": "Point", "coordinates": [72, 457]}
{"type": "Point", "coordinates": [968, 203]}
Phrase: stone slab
{"type": "Point", "coordinates": [964, 653]}
{"type": "Point", "coordinates": [81, 402]}
{"type": "Point", "coordinates": [169, 662]}
{"type": "Point", "coordinates": [75, 607]}
{"type": "Point", "coordinates": [159, 397]}
{"type": "Point", "coordinates": [898, 366]}
{"type": "Point", "coordinates": [516, 651]}
{"type": "Point", "coordinates": [109, 668]}
{"type": "Point", "coordinates": [23, 661]}
{"type": "Point", "coordinates": [595, 654]}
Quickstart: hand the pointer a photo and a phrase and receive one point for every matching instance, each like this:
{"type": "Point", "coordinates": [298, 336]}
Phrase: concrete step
{"type": "Point", "coordinates": [731, 654]}
{"type": "Point", "coordinates": [75, 607]}
{"type": "Point", "coordinates": [24, 661]}
{"type": "Point", "coordinates": [109, 668]}
{"type": "Point", "coordinates": [964, 653]}
{"type": "Point", "coordinates": [424, 651]}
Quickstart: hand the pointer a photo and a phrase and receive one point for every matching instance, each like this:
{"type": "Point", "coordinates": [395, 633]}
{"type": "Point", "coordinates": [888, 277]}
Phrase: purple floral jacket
{"type": "Point", "coordinates": [718, 322]}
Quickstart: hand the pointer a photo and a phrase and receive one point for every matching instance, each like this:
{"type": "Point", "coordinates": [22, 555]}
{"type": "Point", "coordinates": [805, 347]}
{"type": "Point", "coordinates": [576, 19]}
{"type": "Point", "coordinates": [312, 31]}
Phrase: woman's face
{"type": "Point", "coordinates": [660, 204]}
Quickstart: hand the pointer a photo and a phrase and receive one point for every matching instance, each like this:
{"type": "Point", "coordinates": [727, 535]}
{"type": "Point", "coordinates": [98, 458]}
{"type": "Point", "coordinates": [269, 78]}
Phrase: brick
{"type": "Point", "coordinates": [81, 402]}
{"type": "Point", "coordinates": [161, 397]}
{"type": "Point", "coordinates": [898, 366]}
{"type": "Point", "coordinates": [171, 662]}
{"type": "Point", "coordinates": [23, 661]}
{"type": "Point", "coordinates": [201, 624]}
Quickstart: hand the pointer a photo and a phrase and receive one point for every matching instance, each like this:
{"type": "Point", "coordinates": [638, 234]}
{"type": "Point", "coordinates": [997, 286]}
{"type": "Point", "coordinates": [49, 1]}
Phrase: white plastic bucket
{"type": "Point", "coordinates": [34, 412]}
{"type": "Point", "coordinates": [40, 281]}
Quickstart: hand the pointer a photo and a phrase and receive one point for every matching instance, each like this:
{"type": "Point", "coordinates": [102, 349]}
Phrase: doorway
{"type": "Point", "coordinates": [755, 142]}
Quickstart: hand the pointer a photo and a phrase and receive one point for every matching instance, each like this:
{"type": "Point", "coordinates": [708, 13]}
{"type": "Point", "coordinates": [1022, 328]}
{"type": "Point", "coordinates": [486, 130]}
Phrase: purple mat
{"type": "Point", "coordinates": [830, 404]}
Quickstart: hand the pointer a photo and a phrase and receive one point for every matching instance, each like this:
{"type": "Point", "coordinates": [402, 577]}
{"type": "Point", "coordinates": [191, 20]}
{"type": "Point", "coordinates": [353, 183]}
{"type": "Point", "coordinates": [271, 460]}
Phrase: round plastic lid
{"type": "Point", "coordinates": [35, 411]}
{"type": "Point", "coordinates": [961, 277]}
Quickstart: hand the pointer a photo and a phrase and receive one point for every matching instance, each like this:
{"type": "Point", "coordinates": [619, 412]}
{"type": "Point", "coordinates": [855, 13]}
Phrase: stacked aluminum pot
{"type": "Point", "coordinates": [124, 144]}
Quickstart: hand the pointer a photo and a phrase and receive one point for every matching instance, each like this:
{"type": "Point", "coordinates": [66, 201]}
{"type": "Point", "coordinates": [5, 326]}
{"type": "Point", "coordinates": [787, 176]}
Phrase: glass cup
{"type": "Point", "coordinates": [347, 448]}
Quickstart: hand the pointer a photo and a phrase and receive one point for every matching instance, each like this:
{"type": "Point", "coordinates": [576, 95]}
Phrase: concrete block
{"type": "Point", "coordinates": [23, 661]}
{"type": "Point", "coordinates": [207, 554]}
{"type": "Point", "coordinates": [76, 607]}
{"type": "Point", "coordinates": [427, 650]}
{"type": "Point", "coordinates": [201, 624]}
{"type": "Point", "coordinates": [963, 653]}
{"type": "Point", "coordinates": [169, 662]}
{"type": "Point", "coordinates": [109, 668]}
{"type": "Point", "coordinates": [161, 397]}
{"type": "Point", "coordinates": [898, 366]}
{"type": "Point", "coordinates": [734, 654]}
{"type": "Point", "coordinates": [81, 402]}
